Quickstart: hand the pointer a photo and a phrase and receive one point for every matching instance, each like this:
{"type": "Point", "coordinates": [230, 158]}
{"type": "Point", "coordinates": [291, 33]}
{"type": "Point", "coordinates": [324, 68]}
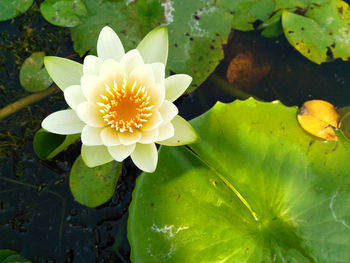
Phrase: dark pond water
{"type": "Point", "coordinates": [39, 217]}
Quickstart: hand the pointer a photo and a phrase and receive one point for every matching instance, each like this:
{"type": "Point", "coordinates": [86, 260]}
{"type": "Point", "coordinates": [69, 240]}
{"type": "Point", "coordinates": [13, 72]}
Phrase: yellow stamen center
{"type": "Point", "coordinates": [125, 108]}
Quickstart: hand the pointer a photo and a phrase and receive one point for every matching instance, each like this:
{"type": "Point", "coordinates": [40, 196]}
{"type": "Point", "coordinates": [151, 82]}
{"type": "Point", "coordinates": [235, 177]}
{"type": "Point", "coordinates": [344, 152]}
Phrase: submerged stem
{"type": "Point", "coordinates": [229, 88]}
{"type": "Point", "coordinates": [50, 192]}
{"type": "Point", "coordinates": [21, 103]}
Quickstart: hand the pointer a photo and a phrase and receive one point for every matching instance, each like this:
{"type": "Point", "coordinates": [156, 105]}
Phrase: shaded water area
{"type": "Point", "coordinates": [39, 217]}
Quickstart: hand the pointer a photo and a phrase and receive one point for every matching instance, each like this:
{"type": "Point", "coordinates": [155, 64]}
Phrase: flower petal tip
{"type": "Point", "coordinates": [63, 122]}
{"type": "Point", "coordinates": [64, 72]}
{"type": "Point", "coordinates": [154, 46]}
{"type": "Point", "coordinates": [109, 45]}
{"type": "Point", "coordinates": [145, 157]}
{"type": "Point", "coordinates": [176, 85]}
{"type": "Point", "coordinates": [184, 133]}
{"type": "Point", "coordinates": [95, 155]}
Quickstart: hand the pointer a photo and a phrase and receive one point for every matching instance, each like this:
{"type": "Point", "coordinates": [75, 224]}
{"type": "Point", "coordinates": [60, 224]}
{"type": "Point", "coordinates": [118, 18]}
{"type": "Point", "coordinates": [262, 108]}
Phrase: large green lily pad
{"type": "Point", "coordinates": [257, 188]}
{"type": "Point", "coordinates": [322, 34]}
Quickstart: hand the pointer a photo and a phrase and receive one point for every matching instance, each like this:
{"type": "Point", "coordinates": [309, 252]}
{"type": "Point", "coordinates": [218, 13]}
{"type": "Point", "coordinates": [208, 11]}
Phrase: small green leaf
{"type": "Point", "coordinates": [12, 8]}
{"type": "Point", "coordinates": [93, 186]}
{"type": "Point", "coordinates": [16, 259]}
{"type": "Point", "coordinates": [65, 13]}
{"type": "Point", "coordinates": [9, 256]}
{"type": "Point", "coordinates": [322, 34]}
{"type": "Point", "coordinates": [273, 26]}
{"type": "Point", "coordinates": [5, 253]}
{"type": "Point", "coordinates": [284, 4]}
{"type": "Point", "coordinates": [246, 12]}
{"type": "Point", "coordinates": [33, 75]}
{"type": "Point", "coordinates": [257, 188]}
{"type": "Point", "coordinates": [47, 145]}
{"type": "Point", "coordinates": [273, 30]}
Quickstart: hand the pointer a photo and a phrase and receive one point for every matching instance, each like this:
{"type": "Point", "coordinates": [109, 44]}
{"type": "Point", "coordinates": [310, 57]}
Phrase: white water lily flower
{"type": "Point", "coordinates": [121, 103]}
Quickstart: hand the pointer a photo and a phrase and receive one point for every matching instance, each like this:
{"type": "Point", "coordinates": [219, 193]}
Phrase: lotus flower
{"type": "Point", "coordinates": [121, 103]}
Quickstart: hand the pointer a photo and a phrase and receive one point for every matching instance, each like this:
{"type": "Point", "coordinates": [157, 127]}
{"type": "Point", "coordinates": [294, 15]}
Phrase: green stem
{"type": "Point", "coordinates": [229, 88]}
{"type": "Point", "coordinates": [228, 183]}
{"type": "Point", "coordinates": [21, 103]}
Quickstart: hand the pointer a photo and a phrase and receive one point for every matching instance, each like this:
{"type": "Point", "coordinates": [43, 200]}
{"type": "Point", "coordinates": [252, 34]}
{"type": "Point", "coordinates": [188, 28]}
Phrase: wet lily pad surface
{"type": "Point", "coordinates": [269, 193]}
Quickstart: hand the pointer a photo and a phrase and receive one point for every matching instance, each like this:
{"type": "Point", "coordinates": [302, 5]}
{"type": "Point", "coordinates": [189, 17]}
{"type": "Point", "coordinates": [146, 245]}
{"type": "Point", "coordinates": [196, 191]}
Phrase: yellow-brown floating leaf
{"type": "Point", "coordinates": [318, 117]}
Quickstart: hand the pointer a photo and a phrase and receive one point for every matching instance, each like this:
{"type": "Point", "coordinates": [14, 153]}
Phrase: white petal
{"type": "Point", "coordinates": [149, 136]}
{"type": "Point", "coordinates": [153, 122]}
{"type": "Point", "coordinates": [90, 87]}
{"type": "Point", "coordinates": [154, 46]}
{"type": "Point", "coordinates": [111, 68]}
{"type": "Point", "coordinates": [63, 122]}
{"type": "Point", "coordinates": [131, 60]}
{"type": "Point", "coordinates": [74, 96]}
{"type": "Point", "coordinates": [109, 45]}
{"type": "Point", "coordinates": [64, 72]}
{"type": "Point", "coordinates": [120, 152]}
{"type": "Point", "coordinates": [143, 75]}
{"type": "Point", "coordinates": [90, 114]}
{"type": "Point", "coordinates": [91, 136]}
{"type": "Point", "coordinates": [176, 85]}
{"type": "Point", "coordinates": [145, 157]}
{"type": "Point", "coordinates": [168, 111]}
{"type": "Point", "coordinates": [128, 138]}
{"type": "Point", "coordinates": [159, 72]}
{"type": "Point", "coordinates": [110, 137]}
{"type": "Point", "coordinates": [184, 133]}
{"type": "Point", "coordinates": [92, 65]}
{"type": "Point", "coordinates": [157, 93]}
{"type": "Point", "coordinates": [95, 155]}
{"type": "Point", "coordinates": [166, 131]}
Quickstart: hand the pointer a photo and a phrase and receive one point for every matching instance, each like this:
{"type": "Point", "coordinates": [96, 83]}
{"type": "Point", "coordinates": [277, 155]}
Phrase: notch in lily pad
{"type": "Point", "coordinates": [33, 75]}
{"type": "Point", "coordinates": [272, 27]}
{"type": "Point", "coordinates": [47, 145]}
